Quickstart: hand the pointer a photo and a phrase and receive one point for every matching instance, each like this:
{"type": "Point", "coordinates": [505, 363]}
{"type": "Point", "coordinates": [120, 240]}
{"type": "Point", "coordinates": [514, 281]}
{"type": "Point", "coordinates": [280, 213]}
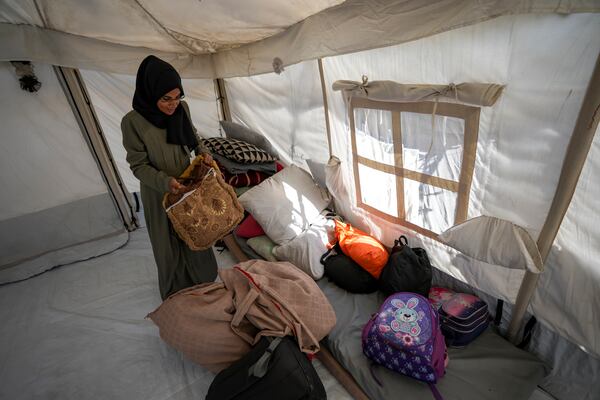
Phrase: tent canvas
{"type": "Point", "coordinates": [544, 54]}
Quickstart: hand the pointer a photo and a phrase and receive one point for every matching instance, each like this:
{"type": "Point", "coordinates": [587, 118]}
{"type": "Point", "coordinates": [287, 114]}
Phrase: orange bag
{"type": "Point", "coordinates": [365, 250]}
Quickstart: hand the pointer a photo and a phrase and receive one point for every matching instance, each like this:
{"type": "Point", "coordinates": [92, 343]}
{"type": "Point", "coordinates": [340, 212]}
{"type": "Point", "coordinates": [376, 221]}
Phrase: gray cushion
{"type": "Point", "coordinates": [240, 132]}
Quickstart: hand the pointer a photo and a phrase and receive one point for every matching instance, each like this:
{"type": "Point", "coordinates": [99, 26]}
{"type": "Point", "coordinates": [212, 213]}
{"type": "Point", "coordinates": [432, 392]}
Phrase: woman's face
{"type": "Point", "coordinates": [169, 101]}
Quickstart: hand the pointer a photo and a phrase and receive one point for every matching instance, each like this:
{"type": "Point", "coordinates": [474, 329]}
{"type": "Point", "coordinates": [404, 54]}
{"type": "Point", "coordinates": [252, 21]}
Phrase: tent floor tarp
{"type": "Point", "coordinates": [78, 332]}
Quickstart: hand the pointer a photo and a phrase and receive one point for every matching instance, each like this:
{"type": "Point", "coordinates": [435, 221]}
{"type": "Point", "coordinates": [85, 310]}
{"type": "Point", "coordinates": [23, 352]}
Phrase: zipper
{"type": "Point", "coordinates": [477, 326]}
{"type": "Point", "coordinates": [305, 373]}
{"type": "Point", "coordinates": [481, 309]}
{"type": "Point", "coordinates": [211, 172]}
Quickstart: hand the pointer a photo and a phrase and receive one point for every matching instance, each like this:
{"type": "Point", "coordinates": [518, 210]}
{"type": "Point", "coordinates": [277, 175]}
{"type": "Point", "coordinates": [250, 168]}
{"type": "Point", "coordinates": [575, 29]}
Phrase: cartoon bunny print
{"type": "Point", "coordinates": [406, 318]}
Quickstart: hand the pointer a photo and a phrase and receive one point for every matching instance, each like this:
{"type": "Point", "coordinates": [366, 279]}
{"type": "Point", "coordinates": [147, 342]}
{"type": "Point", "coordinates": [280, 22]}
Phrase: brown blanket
{"type": "Point", "coordinates": [216, 324]}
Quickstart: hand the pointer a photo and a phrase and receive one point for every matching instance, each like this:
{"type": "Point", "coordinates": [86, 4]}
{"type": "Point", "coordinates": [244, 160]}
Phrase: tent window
{"type": "Point", "coordinates": [413, 162]}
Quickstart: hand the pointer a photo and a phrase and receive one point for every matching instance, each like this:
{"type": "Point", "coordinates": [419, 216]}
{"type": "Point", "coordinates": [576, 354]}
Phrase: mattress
{"type": "Point", "coordinates": [490, 368]}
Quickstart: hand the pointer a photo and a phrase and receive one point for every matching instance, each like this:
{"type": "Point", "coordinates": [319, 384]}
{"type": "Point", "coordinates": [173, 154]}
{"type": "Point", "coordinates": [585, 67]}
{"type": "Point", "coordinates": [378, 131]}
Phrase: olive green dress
{"type": "Point", "coordinates": [154, 161]}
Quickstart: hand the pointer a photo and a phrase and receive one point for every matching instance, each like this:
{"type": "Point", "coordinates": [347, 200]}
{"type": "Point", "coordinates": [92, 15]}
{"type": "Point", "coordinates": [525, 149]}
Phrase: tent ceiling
{"type": "Point", "coordinates": [184, 26]}
{"type": "Point", "coordinates": [229, 38]}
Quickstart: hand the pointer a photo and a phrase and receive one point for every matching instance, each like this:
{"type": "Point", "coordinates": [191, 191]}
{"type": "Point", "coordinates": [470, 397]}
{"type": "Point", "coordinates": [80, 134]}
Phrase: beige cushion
{"type": "Point", "coordinates": [286, 204]}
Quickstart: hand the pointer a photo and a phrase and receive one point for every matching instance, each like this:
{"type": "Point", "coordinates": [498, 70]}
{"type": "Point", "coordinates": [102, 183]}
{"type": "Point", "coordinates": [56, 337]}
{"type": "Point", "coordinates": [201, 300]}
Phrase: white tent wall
{"type": "Point", "coordinates": [285, 108]}
{"type": "Point", "coordinates": [511, 181]}
{"type": "Point", "coordinates": [546, 62]}
{"type": "Point", "coordinates": [56, 208]}
{"type": "Point", "coordinates": [112, 94]}
{"type": "Point", "coordinates": [568, 292]}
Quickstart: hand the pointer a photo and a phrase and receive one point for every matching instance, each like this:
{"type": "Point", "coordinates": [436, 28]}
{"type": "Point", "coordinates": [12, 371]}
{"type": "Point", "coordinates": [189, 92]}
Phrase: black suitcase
{"type": "Point", "coordinates": [274, 369]}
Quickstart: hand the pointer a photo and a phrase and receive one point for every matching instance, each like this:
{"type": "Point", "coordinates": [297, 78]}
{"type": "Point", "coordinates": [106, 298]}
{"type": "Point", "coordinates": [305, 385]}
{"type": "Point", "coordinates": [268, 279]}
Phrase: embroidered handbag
{"type": "Point", "coordinates": [208, 211]}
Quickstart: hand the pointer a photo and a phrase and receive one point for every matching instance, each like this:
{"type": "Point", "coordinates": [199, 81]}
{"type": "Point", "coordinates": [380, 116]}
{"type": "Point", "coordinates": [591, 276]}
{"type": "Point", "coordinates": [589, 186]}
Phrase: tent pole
{"type": "Point", "coordinates": [325, 105]}
{"type": "Point", "coordinates": [222, 98]}
{"type": "Point", "coordinates": [235, 248]}
{"type": "Point", "coordinates": [575, 157]}
{"type": "Point", "coordinates": [81, 105]}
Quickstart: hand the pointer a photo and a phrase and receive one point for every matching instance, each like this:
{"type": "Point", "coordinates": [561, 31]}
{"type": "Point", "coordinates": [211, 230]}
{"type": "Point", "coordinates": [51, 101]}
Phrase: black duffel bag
{"type": "Point", "coordinates": [407, 270]}
{"type": "Point", "coordinates": [346, 273]}
{"type": "Point", "coordinates": [274, 369]}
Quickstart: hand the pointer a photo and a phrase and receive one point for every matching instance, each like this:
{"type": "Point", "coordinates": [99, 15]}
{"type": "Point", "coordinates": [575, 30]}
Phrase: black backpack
{"type": "Point", "coordinates": [407, 270]}
{"type": "Point", "coordinates": [346, 273]}
{"type": "Point", "coordinates": [274, 369]}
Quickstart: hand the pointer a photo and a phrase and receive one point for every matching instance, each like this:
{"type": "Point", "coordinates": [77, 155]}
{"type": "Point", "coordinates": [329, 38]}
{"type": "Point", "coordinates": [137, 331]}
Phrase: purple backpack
{"type": "Point", "coordinates": [404, 336]}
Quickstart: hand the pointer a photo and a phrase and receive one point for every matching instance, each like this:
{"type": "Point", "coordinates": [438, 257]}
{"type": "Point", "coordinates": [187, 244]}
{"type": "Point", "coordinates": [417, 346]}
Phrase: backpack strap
{"type": "Point", "coordinates": [435, 391]}
{"type": "Point", "coordinates": [498, 316]}
{"type": "Point", "coordinates": [527, 332]}
{"type": "Point", "coordinates": [329, 214]}
{"type": "Point", "coordinates": [372, 365]}
{"type": "Point", "coordinates": [328, 253]}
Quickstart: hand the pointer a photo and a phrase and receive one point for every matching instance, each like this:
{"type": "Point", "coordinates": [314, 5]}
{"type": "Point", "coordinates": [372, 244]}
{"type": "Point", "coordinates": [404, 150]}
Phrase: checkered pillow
{"type": "Point", "coordinates": [237, 150]}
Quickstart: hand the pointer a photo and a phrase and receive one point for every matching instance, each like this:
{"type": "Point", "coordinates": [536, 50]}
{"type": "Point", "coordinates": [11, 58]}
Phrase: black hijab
{"type": "Point", "coordinates": [155, 78]}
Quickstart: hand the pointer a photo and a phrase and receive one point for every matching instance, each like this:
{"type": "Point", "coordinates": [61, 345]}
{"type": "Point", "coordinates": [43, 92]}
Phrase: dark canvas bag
{"type": "Point", "coordinates": [346, 273]}
{"type": "Point", "coordinates": [407, 270]}
{"type": "Point", "coordinates": [273, 369]}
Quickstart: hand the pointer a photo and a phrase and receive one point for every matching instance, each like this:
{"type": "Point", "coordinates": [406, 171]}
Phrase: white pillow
{"type": "Point", "coordinates": [306, 249]}
{"type": "Point", "coordinates": [285, 204]}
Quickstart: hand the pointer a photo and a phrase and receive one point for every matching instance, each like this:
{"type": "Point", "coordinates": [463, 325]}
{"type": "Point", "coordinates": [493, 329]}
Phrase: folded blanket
{"type": "Point", "coordinates": [249, 178]}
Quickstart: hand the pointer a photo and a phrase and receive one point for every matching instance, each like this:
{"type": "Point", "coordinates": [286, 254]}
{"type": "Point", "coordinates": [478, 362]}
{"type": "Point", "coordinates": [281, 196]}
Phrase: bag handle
{"type": "Point", "coordinates": [402, 240]}
{"type": "Point", "coordinates": [260, 367]}
{"type": "Point", "coordinates": [327, 254]}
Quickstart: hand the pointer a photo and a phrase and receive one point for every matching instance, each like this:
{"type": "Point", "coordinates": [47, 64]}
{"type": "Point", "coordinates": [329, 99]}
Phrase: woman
{"type": "Point", "coordinates": [158, 136]}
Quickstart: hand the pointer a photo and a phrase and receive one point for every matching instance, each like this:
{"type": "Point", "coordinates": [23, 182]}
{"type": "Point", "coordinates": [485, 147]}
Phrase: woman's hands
{"type": "Point", "coordinates": [175, 187]}
{"type": "Point", "coordinates": [207, 159]}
